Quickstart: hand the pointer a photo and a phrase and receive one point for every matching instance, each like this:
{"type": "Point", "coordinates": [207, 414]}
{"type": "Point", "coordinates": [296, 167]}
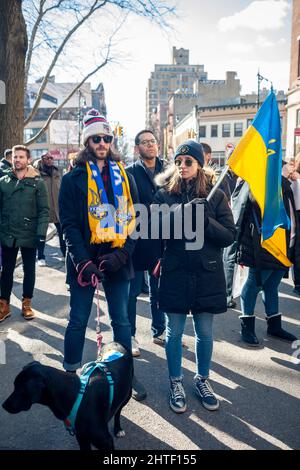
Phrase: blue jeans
{"type": "Point", "coordinates": [81, 302]}
{"type": "Point", "coordinates": [270, 281]}
{"type": "Point", "coordinates": [158, 316]}
{"type": "Point", "coordinates": [203, 342]}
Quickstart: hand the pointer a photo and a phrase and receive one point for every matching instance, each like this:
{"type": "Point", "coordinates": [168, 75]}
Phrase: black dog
{"type": "Point", "coordinates": [58, 390]}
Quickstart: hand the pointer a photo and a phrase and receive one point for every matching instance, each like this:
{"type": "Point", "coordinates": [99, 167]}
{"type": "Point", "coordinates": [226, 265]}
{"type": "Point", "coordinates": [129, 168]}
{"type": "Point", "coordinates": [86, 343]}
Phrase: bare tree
{"type": "Point", "coordinates": [13, 46]}
{"type": "Point", "coordinates": [52, 26]}
{"type": "Point", "coordinates": [79, 13]}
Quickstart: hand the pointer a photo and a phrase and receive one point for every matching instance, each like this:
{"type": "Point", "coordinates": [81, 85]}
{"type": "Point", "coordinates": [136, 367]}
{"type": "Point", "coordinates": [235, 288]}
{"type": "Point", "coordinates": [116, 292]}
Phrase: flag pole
{"type": "Point", "coordinates": [218, 183]}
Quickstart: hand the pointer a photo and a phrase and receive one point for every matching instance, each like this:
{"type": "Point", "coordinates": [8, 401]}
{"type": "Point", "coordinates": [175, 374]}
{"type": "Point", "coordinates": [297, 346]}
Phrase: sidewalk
{"type": "Point", "coordinates": [259, 389]}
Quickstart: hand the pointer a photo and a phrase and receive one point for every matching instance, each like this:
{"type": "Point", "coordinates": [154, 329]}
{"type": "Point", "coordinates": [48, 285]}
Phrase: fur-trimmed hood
{"type": "Point", "coordinates": [163, 178]}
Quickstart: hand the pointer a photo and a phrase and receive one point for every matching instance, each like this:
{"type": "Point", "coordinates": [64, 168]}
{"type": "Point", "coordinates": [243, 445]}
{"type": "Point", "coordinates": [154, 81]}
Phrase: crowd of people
{"type": "Point", "coordinates": [94, 209]}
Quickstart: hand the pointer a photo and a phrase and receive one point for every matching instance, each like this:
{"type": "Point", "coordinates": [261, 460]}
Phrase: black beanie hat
{"type": "Point", "coordinates": [191, 148]}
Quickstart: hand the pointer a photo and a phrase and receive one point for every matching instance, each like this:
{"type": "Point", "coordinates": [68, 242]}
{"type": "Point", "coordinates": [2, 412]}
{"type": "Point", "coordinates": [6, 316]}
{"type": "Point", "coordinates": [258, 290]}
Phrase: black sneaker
{"type": "Point", "coordinates": [177, 396]}
{"type": "Point", "coordinates": [206, 394]}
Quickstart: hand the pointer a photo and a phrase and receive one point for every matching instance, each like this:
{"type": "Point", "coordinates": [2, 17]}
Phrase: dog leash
{"type": "Point", "coordinates": [96, 284]}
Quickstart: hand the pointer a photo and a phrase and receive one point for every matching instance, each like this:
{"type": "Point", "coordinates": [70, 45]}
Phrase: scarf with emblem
{"type": "Point", "coordinates": [109, 223]}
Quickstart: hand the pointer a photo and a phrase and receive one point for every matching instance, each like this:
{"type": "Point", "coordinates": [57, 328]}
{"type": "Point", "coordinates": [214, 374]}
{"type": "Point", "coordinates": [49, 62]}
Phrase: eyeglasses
{"type": "Point", "coordinates": [147, 142]}
{"type": "Point", "coordinates": [188, 162]}
{"type": "Point", "coordinates": [48, 158]}
{"type": "Point", "coordinates": [106, 138]}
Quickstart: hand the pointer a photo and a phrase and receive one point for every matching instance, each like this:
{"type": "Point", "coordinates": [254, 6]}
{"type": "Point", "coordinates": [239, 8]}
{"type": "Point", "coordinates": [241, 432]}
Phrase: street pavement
{"type": "Point", "coordinates": [259, 389]}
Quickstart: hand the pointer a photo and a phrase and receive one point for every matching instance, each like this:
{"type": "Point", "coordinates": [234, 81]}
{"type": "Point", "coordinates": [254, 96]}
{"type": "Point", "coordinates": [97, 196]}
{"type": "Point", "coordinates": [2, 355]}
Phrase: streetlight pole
{"type": "Point", "coordinates": [79, 112]}
{"type": "Point", "coordinates": [260, 78]}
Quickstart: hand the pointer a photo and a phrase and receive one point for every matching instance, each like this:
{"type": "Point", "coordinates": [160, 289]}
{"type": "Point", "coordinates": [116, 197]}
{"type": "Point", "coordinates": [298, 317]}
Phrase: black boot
{"type": "Point", "coordinates": [275, 329]}
{"type": "Point", "coordinates": [248, 330]}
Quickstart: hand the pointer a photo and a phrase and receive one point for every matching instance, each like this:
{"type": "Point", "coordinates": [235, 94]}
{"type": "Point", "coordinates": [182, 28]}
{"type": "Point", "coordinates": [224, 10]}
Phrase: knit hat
{"type": "Point", "coordinates": [191, 148]}
{"type": "Point", "coordinates": [93, 124]}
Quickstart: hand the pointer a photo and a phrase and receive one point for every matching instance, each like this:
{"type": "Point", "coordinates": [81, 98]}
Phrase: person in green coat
{"type": "Point", "coordinates": [24, 216]}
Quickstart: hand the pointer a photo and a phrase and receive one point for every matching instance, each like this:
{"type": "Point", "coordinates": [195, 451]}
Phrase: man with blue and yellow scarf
{"type": "Point", "coordinates": [97, 216]}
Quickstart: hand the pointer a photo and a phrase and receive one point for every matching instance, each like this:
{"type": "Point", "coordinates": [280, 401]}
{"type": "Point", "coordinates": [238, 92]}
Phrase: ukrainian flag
{"type": "Point", "coordinates": [258, 160]}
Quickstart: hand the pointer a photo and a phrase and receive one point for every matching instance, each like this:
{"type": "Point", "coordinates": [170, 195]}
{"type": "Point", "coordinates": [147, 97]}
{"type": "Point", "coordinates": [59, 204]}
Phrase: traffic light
{"type": "Point", "coordinates": [120, 131]}
{"type": "Point", "coordinates": [191, 134]}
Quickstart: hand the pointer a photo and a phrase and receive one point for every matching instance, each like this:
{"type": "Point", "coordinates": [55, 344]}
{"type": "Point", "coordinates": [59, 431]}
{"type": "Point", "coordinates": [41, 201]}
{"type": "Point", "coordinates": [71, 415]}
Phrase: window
{"type": "Point", "coordinates": [226, 130]}
{"type": "Point", "coordinates": [202, 131]}
{"type": "Point", "coordinates": [36, 153]}
{"type": "Point", "coordinates": [31, 132]}
{"type": "Point", "coordinates": [298, 118]}
{"type": "Point", "coordinates": [214, 130]}
{"type": "Point", "coordinates": [238, 129]}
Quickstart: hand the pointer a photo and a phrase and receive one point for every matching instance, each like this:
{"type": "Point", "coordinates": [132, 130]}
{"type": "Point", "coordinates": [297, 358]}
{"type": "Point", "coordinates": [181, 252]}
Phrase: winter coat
{"type": "Point", "coordinates": [4, 166]}
{"type": "Point", "coordinates": [73, 214]}
{"type": "Point", "coordinates": [52, 179]}
{"type": "Point", "coordinates": [24, 209]}
{"type": "Point", "coordinates": [147, 251]}
{"type": "Point", "coordinates": [238, 203]}
{"type": "Point", "coordinates": [250, 253]}
{"type": "Point", "coordinates": [194, 280]}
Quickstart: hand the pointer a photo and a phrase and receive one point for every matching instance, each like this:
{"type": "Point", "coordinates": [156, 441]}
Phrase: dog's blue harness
{"type": "Point", "coordinates": [86, 372]}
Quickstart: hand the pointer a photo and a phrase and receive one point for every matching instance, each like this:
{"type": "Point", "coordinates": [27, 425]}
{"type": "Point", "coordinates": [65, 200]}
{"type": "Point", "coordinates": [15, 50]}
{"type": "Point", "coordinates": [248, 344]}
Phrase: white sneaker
{"type": "Point", "coordinates": [41, 262]}
{"type": "Point", "coordinates": [134, 347]}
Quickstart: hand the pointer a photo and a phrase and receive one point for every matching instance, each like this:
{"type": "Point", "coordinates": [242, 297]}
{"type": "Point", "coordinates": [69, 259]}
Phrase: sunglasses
{"type": "Point", "coordinates": [147, 142]}
{"type": "Point", "coordinates": [188, 162]}
{"type": "Point", "coordinates": [106, 138]}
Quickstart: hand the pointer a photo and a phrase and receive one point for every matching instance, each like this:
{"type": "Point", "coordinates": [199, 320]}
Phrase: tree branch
{"type": "Point", "coordinates": [95, 6]}
{"type": "Point", "coordinates": [58, 108]}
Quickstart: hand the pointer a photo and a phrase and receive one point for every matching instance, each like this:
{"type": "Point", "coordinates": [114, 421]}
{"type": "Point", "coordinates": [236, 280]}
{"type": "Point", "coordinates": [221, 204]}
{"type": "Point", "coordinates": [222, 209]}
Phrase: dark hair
{"type": "Point", "coordinates": [174, 182]}
{"type": "Point", "coordinates": [87, 154]}
{"type": "Point", "coordinates": [206, 147]}
{"type": "Point", "coordinates": [21, 147]}
{"type": "Point", "coordinates": [7, 152]}
{"type": "Point", "coordinates": [144, 131]}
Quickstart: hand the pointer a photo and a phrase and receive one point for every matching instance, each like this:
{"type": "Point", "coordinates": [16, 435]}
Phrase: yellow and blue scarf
{"type": "Point", "coordinates": [108, 224]}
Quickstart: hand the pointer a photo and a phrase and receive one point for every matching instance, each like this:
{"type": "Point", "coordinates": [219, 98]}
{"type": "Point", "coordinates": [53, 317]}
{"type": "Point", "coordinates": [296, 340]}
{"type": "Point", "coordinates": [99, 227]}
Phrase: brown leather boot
{"type": "Point", "coordinates": [27, 311]}
{"type": "Point", "coordinates": [4, 309]}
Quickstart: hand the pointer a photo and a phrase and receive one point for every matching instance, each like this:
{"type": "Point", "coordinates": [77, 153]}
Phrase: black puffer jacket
{"type": "Point", "coordinates": [194, 280]}
{"type": "Point", "coordinates": [250, 253]}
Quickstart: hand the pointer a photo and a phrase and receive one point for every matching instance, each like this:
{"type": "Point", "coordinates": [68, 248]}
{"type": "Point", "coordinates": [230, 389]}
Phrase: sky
{"type": "Point", "coordinates": [236, 35]}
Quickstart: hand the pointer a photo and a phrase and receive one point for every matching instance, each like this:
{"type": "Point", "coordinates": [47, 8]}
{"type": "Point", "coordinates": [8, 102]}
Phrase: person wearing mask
{"type": "Point", "coordinates": [192, 280]}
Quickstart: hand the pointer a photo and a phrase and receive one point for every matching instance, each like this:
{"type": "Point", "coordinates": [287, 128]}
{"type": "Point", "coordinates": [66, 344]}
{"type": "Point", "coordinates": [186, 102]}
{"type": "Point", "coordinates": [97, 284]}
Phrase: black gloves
{"type": "Point", "coordinates": [112, 262]}
{"type": "Point", "coordinates": [89, 271]}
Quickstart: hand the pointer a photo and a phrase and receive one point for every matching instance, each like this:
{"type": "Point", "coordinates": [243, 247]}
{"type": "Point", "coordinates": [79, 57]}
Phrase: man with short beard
{"type": "Point", "coordinates": [147, 252]}
{"type": "Point", "coordinates": [97, 217]}
{"type": "Point", "coordinates": [24, 215]}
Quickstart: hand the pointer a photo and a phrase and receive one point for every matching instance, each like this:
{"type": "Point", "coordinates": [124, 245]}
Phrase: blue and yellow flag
{"type": "Point", "coordinates": [258, 160]}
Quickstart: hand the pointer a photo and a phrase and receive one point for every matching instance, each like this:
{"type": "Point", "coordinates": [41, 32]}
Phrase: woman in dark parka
{"type": "Point", "coordinates": [192, 280]}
